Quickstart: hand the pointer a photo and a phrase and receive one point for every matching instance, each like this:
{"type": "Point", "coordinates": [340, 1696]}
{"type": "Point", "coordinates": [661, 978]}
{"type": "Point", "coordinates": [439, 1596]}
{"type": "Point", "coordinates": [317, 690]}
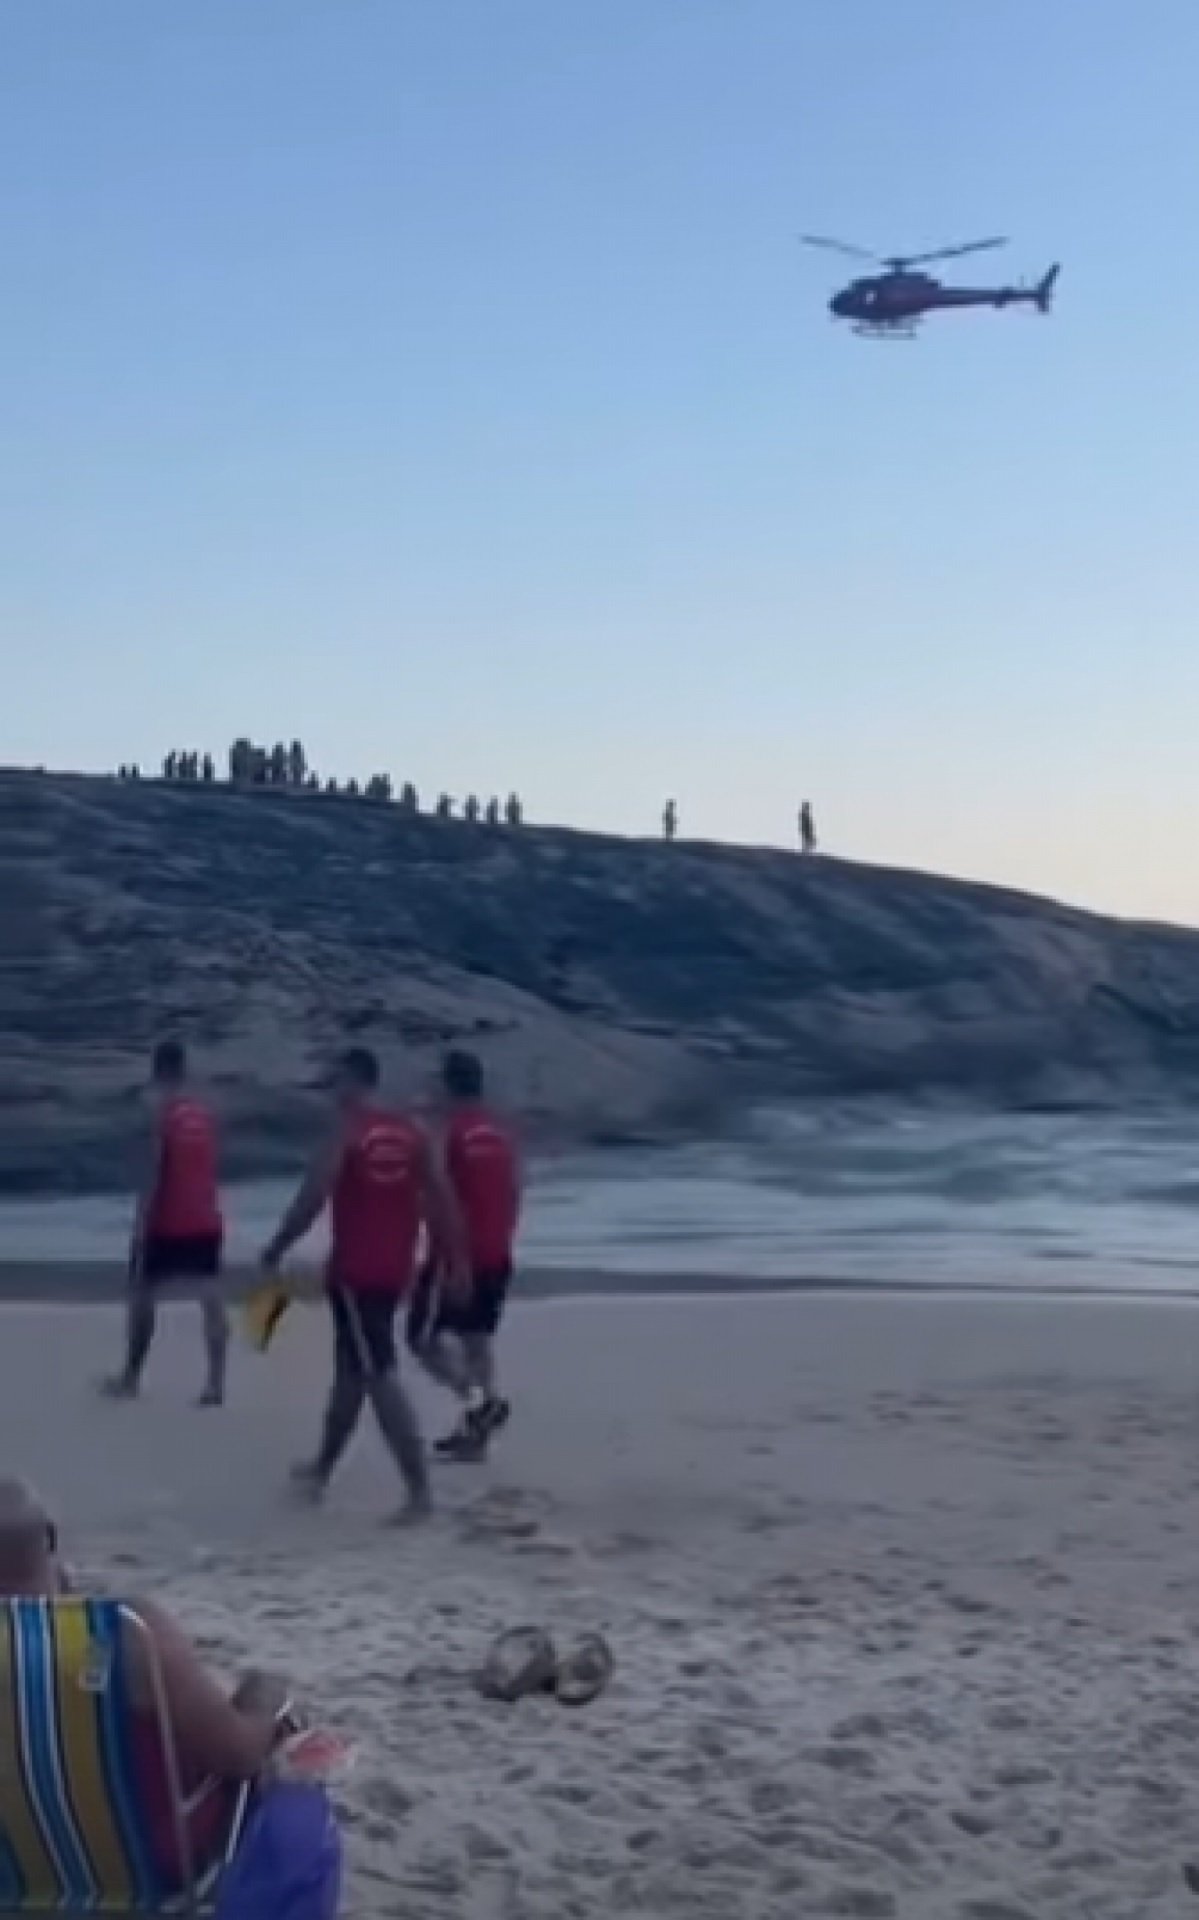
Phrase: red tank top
{"type": "Point", "coordinates": [185, 1203]}
{"type": "Point", "coordinates": [377, 1204]}
{"type": "Point", "coordinates": [481, 1162]}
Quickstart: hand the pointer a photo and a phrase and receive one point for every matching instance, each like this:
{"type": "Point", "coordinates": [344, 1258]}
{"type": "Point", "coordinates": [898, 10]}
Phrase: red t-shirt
{"type": "Point", "coordinates": [185, 1203]}
{"type": "Point", "coordinates": [377, 1204]}
{"type": "Point", "coordinates": [481, 1161]}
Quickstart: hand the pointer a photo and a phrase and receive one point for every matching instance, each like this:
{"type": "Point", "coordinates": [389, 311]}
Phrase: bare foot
{"type": "Point", "coordinates": [119, 1386]}
{"type": "Point", "coordinates": [308, 1483]}
{"type": "Point", "coordinates": [417, 1509]}
{"type": "Point", "coordinates": [212, 1397]}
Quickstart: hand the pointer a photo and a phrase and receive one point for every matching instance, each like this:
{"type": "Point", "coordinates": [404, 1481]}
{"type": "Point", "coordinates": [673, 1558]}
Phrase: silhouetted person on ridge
{"type": "Point", "coordinates": [670, 820]}
{"type": "Point", "coordinates": [807, 828]}
{"type": "Point", "coordinates": [209, 770]}
{"type": "Point", "coordinates": [470, 809]}
{"type": "Point", "coordinates": [492, 814]}
{"type": "Point", "coordinates": [514, 812]}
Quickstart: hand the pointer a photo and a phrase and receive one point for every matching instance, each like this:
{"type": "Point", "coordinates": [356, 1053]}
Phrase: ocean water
{"type": "Point", "coordinates": [892, 1196]}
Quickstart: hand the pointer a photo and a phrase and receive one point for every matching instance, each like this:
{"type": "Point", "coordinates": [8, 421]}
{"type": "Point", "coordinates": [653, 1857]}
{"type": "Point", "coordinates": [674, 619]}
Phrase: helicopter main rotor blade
{"type": "Point", "coordinates": [946, 253]}
{"type": "Point", "coordinates": [838, 246]}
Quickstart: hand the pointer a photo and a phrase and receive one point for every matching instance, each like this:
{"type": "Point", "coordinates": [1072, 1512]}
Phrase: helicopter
{"type": "Point", "coordinates": [890, 305]}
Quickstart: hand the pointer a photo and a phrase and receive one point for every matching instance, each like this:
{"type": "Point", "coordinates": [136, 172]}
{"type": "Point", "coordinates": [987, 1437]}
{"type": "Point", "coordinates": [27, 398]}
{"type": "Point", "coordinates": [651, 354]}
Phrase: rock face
{"type": "Point", "coordinates": [614, 986]}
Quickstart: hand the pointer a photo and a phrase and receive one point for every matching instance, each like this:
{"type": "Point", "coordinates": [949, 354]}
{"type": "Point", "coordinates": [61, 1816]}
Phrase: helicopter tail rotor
{"type": "Point", "coordinates": [1043, 292]}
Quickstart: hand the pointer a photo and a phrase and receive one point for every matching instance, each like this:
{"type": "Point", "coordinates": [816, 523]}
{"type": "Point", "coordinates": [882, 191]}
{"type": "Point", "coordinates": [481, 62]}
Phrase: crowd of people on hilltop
{"type": "Point", "coordinates": [284, 766]}
{"type": "Point", "coordinates": [250, 765]}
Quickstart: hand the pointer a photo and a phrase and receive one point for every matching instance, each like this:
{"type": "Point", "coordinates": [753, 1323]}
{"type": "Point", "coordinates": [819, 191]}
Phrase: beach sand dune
{"type": "Point", "coordinates": [901, 1592]}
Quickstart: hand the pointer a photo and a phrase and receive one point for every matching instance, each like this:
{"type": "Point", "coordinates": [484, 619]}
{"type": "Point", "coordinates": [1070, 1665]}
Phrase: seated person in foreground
{"type": "Point", "coordinates": [220, 1741]}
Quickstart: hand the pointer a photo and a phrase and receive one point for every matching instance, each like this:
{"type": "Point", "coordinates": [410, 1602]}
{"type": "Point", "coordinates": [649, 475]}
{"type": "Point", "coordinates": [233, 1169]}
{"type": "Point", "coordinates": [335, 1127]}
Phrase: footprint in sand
{"type": "Point", "coordinates": [500, 1515]}
{"type": "Point", "coordinates": [1023, 1776]}
{"type": "Point", "coordinates": [856, 1762]}
{"type": "Point", "coordinates": [536, 1549]}
{"type": "Point", "coordinates": [859, 1726]}
{"type": "Point", "coordinates": [862, 1903]}
{"type": "Point", "coordinates": [483, 1848]}
{"type": "Point", "coordinates": [994, 1910]}
{"type": "Point", "coordinates": [384, 1798]}
{"type": "Point", "coordinates": [643, 1840]}
{"type": "Point", "coordinates": [770, 1796]}
{"type": "Point", "coordinates": [632, 1542]}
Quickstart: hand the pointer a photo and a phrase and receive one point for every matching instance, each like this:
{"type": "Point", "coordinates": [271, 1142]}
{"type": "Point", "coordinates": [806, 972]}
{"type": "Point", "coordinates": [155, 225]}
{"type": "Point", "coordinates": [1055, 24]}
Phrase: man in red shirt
{"type": "Point", "coordinates": [382, 1186]}
{"type": "Point", "coordinates": [454, 1337]}
{"type": "Point", "coordinates": [178, 1229]}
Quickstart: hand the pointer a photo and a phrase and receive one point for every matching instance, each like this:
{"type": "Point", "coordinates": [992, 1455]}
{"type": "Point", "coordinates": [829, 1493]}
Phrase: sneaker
{"type": "Point", "coordinates": [469, 1439]}
{"type": "Point", "coordinates": [490, 1417]}
{"type": "Point", "coordinates": [447, 1448]}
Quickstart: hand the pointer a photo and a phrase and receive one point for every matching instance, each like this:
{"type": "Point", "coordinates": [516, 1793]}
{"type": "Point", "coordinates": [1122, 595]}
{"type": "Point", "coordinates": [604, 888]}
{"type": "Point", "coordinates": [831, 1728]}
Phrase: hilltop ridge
{"type": "Point", "coordinates": [615, 986]}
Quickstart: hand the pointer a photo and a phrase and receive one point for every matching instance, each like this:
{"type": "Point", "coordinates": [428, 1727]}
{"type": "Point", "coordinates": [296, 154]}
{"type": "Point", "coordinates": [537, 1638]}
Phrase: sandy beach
{"type": "Point", "coordinates": [901, 1592]}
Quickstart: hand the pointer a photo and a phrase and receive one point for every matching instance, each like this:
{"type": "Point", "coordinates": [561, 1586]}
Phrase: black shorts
{"type": "Point", "coordinates": [164, 1257]}
{"type": "Point", "coordinates": [433, 1312]}
{"type": "Point", "coordinates": [364, 1332]}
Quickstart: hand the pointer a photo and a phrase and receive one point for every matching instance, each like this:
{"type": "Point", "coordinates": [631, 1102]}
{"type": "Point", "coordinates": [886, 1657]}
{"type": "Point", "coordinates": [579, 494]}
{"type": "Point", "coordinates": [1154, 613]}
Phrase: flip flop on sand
{"type": "Point", "coordinates": [521, 1662]}
{"type": "Point", "coordinates": [584, 1673]}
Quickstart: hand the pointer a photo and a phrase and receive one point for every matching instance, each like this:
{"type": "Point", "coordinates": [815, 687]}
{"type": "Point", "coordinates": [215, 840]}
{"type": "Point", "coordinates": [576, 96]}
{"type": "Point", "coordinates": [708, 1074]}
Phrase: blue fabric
{"type": "Point", "coordinates": [104, 1618]}
{"type": "Point", "coordinates": [288, 1863]}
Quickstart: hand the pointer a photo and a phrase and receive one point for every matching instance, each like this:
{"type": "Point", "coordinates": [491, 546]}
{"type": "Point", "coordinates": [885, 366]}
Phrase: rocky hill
{"type": "Point", "coordinates": [615, 986]}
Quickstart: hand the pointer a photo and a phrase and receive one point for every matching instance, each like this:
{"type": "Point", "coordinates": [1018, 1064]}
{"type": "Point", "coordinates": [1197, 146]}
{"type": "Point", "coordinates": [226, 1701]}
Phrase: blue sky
{"type": "Point", "coordinates": [442, 381]}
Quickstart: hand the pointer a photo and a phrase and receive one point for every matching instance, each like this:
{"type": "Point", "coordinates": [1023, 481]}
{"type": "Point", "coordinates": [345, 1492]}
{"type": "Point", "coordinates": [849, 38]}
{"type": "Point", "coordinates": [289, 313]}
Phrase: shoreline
{"type": "Point", "coordinates": [98, 1283]}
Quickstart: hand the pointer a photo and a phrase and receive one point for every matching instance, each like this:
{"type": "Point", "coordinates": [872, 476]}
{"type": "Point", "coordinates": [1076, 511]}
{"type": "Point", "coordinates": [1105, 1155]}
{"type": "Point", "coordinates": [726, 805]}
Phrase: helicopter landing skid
{"type": "Point", "coordinates": [887, 329]}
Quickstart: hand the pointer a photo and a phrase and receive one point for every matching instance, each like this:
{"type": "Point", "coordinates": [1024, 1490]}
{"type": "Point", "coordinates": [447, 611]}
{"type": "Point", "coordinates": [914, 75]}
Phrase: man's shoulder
{"type": "Point", "coordinates": [480, 1120]}
{"type": "Point", "coordinates": [387, 1128]}
{"type": "Point", "coordinates": [185, 1109]}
